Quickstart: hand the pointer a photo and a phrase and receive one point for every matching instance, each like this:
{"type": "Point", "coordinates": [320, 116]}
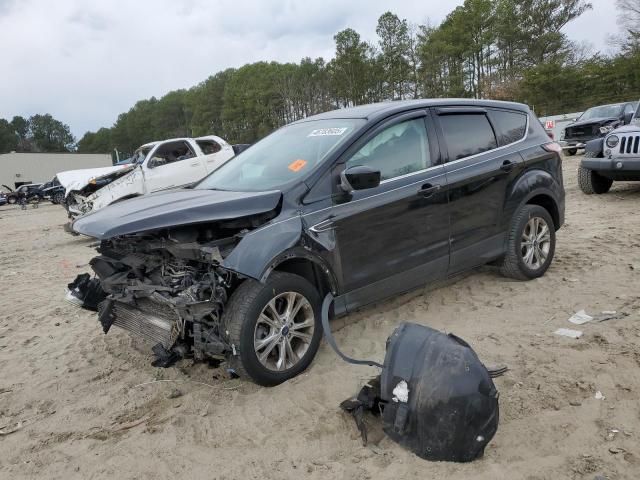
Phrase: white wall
{"type": "Point", "coordinates": [42, 167]}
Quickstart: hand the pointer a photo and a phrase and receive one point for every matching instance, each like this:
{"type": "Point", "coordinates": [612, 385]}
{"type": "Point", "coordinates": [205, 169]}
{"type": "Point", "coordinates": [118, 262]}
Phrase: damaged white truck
{"type": "Point", "coordinates": [156, 166]}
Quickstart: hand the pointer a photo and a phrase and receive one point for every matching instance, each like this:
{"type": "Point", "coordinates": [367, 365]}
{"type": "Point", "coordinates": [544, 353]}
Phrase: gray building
{"type": "Point", "coordinates": [19, 168]}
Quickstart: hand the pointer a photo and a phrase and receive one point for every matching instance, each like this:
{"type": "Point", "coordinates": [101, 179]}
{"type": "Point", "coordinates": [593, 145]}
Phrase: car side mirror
{"type": "Point", "coordinates": [156, 162]}
{"type": "Point", "coordinates": [359, 177]}
{"type": "Point", "coordinates": [627, 118]}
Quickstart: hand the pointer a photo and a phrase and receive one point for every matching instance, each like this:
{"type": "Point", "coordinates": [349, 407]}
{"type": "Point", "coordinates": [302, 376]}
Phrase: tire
{"type": "Point", "coordinates": [515, 264]}
{"type": "Point", "coordinates": [58, 198]}
{"type": "Point", "coordinates": [590, 182]}
{"type": "Point", "coordinates": [243, 328]}
{"type": "Point", "coordinates": [12, 200]}
{"type": "Point", "coordinates": [572, 151]}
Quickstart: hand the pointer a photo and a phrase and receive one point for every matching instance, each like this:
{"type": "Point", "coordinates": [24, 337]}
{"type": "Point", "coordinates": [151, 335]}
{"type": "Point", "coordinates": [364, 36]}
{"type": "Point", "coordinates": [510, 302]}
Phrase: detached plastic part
{"type": "Point", "coordinates": [451, 412]}
{"type": "Point", "coordinates": [434, 395]}
{"type": "Point", "coordinates": [85, 292]}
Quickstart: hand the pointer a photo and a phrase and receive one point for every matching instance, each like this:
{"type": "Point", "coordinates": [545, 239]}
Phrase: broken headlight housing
{"type": "Point", "coordinates": [606, 129]}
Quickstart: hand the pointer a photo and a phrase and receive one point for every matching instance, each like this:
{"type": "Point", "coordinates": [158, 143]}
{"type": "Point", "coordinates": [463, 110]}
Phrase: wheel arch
{"type": "Point", "coordinates": [546, 201]}
{"type": "Point", "coordinates": [536, 187]}
{"type": "Point", "coordinates": [301, 262]}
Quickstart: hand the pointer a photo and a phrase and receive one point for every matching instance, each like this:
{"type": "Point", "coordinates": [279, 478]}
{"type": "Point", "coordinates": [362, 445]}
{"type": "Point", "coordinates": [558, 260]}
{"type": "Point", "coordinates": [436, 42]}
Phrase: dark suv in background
{"type": "Point", "coordinates": [363, 203]}
{"type": "Point", "coordinates": [596, 122]}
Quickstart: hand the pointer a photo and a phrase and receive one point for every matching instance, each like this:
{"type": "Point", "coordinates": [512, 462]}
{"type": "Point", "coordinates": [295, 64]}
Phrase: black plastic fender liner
{"type": "Point", "coordinates": [436, 397]}
{"type": "Point", "coordinates": [440, 400]}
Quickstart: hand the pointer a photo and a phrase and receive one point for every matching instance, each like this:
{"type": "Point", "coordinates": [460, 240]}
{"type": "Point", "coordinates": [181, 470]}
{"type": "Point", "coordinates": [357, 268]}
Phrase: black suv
{"type": "Point", "coordinates": [363, 203]}
{"type": "Point", "coordinates": [596, 122]}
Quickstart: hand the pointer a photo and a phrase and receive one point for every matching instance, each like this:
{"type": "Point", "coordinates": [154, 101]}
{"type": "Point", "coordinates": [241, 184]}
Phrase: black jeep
{"type": "Point", "coordinates": [363, 203]}
{"type": "Point", "coordinates": [596, 123]}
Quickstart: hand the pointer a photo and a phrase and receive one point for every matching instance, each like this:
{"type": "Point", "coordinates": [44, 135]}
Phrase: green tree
{"type": "Point", "coordinates": [8, 137]}
{"type": "Point", "coordinates": [395, 46]}
{"type": "Point", "coordinates": [49, 134]}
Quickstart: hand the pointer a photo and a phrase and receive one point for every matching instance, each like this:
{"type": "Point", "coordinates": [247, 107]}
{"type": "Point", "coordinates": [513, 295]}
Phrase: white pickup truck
{"type": "Point", "coordinates": [155, 166]}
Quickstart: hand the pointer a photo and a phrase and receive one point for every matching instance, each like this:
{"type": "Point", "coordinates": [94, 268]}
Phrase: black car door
{"type": "Point", "coordinates": [480, 166]}
{"type": "Point", "coordinates": [393, 237]}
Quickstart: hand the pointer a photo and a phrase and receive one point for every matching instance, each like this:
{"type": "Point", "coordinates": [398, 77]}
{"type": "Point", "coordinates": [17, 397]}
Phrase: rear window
{"type": "Point", "coordinates": [467, 134]}
{"type": "Point", "coordinates": [510, 126]}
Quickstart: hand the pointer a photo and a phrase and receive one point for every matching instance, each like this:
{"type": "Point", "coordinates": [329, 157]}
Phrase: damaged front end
{"type": "Point", "coordinates": [167, 286]}
{"type": "Point", "coordinates": [86, 189]}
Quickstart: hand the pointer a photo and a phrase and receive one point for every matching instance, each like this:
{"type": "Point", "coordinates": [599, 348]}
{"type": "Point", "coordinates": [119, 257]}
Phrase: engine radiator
{"type": "Point", "coordinates": [149, 320]}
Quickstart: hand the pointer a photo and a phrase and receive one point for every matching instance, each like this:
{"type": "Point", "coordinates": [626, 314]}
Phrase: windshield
{"type": "Point", "coordinates": [288, 154]}
{"type": "Point", "coordinates": [140, 155]}
{"type": "Point", "coordinates": [605, 111]}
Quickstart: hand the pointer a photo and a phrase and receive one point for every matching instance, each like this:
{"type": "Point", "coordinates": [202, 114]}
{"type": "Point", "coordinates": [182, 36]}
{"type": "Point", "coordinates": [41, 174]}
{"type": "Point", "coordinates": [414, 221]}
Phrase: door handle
{"type": "Point", "coordinates": [507, 166]}
{"type": "Point", "coordinates": [195, 164]}
{"type": "Point", "coordinates": [428, 190]}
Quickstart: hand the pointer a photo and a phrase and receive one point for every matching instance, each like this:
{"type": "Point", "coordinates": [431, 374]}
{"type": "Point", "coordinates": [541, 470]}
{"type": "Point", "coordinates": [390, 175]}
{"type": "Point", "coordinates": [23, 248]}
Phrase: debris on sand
{"type": "Point", "coordinates": [580, 318]}
{"type": "Point", "coordinates": [567, 332]}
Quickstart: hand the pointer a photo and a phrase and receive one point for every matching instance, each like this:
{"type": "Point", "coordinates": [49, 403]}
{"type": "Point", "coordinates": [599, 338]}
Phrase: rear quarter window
{"type": "Point", "coordinates": [510, 126]}
{"type": "Point", "coordinates": [467, 135]}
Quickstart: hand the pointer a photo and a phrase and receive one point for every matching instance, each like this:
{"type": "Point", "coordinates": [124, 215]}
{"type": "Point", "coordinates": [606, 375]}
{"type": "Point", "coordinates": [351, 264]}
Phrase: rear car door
{"type": "Point", "coordinates": [482, 161]}
{"type": "Point", "coordinates": [393, 237]}
{"type": "Point", "coordinates": [171, 165]}
{"type": "Point", "coordinates": [215, 153]}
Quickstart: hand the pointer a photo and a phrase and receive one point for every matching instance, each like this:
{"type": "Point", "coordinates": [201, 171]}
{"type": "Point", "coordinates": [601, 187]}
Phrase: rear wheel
{"type": "Point", "coordinates": [590, 182]}
{"type": "Point", "coordinates": [12, 200]}
{"type": "Point", "coordinates": [273, 328]}
{"type": "Point", "coordinates": [531, 244]}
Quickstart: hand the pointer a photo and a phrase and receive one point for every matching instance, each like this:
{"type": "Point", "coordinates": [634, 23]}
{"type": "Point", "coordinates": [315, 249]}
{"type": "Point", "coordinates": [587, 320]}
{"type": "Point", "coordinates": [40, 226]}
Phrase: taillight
{"type": "Point", "coordinates": [552, 147]}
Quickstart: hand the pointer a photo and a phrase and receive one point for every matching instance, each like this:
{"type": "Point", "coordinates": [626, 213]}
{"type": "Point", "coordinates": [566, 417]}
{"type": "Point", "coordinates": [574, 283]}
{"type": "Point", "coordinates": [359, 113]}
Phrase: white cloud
{"type": "Point", "coordinates": [87, 62]}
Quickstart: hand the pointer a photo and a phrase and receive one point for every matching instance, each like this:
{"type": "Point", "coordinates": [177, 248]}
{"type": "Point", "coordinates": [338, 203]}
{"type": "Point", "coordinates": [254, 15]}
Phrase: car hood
{"type": "Point", "coordinates": [78, 179]}
{"type": "Point", "coordinates": [627, 129]}
{"type": "Point", "coordinates": [593, 121]}
{"type": "Point", "coordinates": [172, 209]}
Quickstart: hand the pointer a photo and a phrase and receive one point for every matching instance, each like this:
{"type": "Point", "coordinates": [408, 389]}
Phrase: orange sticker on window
{"type": "Point", "coordinates": [297, 165]}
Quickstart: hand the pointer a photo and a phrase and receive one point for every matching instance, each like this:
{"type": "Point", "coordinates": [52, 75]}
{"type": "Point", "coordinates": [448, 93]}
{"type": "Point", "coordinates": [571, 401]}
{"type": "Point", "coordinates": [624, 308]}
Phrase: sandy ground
{"type": "Point", "coordinates": [86, 405]}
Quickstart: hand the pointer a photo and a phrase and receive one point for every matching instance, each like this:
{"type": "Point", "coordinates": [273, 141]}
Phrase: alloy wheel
{"type": "Point", "coordinates": [535, 243]}
{"type": "Point", "coordinates": [284, 331]}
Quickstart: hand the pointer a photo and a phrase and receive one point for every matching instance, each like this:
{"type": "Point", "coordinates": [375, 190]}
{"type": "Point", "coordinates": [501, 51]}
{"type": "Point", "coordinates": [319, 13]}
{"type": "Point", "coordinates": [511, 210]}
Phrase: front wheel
{"type": "Point", "coordinates": [12, 200]}
{"type": "Point", "coordinates": [273, 328]}
{"type": "Point", "coordinates": [572, 151]}
{"type": "Point", "coordinates": [590, 182]}
{"type": "Point", "coordinates": [531, 244]}
{"type": "Point", "coordinates": [58, 198]}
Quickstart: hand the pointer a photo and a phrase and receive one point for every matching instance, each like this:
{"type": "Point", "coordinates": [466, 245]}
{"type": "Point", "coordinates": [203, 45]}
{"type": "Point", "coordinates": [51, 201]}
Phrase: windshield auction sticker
{"type": "Point", "coordinates": [297, 165]}
{"type": "Point", "coordinates": [327, 132]}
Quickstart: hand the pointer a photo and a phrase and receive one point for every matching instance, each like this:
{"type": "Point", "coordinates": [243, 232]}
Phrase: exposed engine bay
{"type": "Point", "coordinates": [167, 286]}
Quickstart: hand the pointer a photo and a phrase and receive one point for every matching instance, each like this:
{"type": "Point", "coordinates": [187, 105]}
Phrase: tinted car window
{"type": "Point", "coordinates": [209, 147]}
{"type": "Point", "coordinates": [467, 135]}
{"type": "Point", "coordinates": [398, 150]}
{"type": "Point", "coordinates": [510, 126]}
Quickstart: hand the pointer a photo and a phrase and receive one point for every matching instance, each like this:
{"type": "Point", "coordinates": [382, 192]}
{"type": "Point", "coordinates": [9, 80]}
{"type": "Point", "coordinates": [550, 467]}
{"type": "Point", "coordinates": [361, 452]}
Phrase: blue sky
{"type": "Point", "coordinates": [86, 62]}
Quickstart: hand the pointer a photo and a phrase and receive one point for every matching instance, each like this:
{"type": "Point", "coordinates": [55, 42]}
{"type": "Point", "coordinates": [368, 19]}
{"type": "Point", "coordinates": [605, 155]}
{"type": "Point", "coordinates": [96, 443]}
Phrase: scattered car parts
{"type": "Point", "coordinates": [434, 396]}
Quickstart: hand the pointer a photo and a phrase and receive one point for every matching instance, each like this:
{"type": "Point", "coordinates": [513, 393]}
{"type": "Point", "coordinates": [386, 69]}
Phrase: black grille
{"type": "Point", "coordinates": [629, 144]}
